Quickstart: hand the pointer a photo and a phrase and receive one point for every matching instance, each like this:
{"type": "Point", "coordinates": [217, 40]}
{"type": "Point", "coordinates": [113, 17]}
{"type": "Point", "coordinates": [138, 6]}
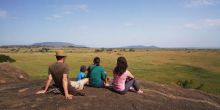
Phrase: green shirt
{"type": "Point", "coordinates": [96, 75]}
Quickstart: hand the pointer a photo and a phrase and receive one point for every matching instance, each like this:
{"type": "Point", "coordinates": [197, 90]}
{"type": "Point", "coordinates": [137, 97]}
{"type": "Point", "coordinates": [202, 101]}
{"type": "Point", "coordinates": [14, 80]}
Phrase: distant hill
{"type": "Point", "coordinates": [66, 44]}
{"type": "Point", "coordinates": [46, 44]}
{"type": "Point", "coordinates": [139, 46]}
{"type": "Point", "coordinates": [57, 44]}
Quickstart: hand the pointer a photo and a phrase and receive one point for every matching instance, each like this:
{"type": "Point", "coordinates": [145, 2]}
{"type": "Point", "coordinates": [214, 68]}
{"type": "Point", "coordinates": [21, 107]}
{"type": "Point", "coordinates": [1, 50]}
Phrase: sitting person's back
{"type": "Point", "coordinates": [123, 79]}
{"type": "Point", "coordinates": [96, 74]}
{"type": "Point", "coordinates": [119, 81]}
{"type": "Point", "coordinates": [57, 70]}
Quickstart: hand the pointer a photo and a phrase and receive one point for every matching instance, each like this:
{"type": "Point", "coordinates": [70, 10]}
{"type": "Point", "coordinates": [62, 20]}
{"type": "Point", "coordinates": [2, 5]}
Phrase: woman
{"type": "Point", "coordinates": [123, 79]}
{"type": "Point", "coordinates": [96, 74]}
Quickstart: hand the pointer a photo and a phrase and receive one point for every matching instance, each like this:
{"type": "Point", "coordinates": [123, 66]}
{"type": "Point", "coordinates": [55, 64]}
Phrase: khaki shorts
{"type": "Point", "coordinates": [79, 85]}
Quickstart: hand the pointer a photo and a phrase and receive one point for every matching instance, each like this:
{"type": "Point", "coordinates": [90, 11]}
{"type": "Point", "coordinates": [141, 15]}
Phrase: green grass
{"type": "Point", "coordinates": [163, 66]}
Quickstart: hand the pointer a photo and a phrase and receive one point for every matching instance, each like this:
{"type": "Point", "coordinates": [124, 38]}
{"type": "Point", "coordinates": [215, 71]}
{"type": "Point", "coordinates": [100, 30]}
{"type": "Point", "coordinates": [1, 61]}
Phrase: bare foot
{"type": "Point", "coordinates": [140, 91]}
{"type": "Point", "coordinates": [41, 92]}
{"type": "Point", "coordinates": [107, 85]}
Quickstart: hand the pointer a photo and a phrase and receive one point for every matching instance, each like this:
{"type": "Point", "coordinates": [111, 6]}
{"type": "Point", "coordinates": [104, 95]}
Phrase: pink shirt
{"type": "Point", "coordinates": [119, 81]}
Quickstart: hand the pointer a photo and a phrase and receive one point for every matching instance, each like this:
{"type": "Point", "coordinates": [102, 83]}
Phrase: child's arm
{"type": "Point", "coordinates": [83, 76]}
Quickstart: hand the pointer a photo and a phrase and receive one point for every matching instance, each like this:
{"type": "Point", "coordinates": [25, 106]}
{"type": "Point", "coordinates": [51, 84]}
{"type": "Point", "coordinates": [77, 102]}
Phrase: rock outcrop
{"type": "Point", "coordinates": [21, 96]}
{"type": "Point", "coordinates": [12, 74]}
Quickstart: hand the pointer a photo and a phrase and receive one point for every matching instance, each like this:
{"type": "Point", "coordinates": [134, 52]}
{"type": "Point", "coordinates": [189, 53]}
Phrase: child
{"type": "Point", "coordinates": [81, 74]}
{"type": "Point", "coordinates": [123, 79]}
{"type": "Point", "coordinates": [81, 79]}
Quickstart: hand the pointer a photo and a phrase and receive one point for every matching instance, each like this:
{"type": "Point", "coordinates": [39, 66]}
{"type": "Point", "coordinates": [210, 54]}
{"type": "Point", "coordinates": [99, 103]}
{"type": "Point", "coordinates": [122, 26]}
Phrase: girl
{"type": "Point", "coordinates": [123, 79]}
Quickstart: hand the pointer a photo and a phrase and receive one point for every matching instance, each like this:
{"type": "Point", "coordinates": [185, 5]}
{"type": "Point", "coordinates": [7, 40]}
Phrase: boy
{"type": "Point", "coordinates": [81, 74]}
{"type": "Point", "coordinates": [81, 79]}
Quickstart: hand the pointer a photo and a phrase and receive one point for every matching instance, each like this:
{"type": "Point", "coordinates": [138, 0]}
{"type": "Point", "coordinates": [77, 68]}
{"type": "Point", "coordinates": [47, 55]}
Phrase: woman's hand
{"type": "Point", "coordinates": [41, 92]}
{"type": "Point", "coordinates": [129, 78]}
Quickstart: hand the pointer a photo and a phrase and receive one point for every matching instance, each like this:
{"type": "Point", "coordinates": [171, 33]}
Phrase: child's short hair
{"type": "Point", "coordinates": [83, 68]}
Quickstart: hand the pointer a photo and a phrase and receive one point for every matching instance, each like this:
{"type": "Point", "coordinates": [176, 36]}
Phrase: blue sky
{"type": "Point", "coordinates": [111, 23]}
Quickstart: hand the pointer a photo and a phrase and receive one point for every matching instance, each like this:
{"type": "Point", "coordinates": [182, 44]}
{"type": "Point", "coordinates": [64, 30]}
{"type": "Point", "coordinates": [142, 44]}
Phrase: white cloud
{"type": "Point", "coordinates": [195, 3]}
{"type": "Point", "coordinates": [128, 24]}
{"type": "Point", "coordinates": [67, 12]}
{"type": "Point", "coordinates": [3, 14]}
{"type": "Point", "coordinates": [49, 18]}
{"type": "Point", "coordinates": [82, 7]}
{"type": "Point", "coordinates": [203, 24]}
{"type": "Point", "coordinates": [78, 7]}
{"type": "Point", "coordinates": [54, 16]}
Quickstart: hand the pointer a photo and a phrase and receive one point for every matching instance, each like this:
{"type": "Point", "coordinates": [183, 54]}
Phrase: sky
{"type": "Point", "coordinates": [111, 23]}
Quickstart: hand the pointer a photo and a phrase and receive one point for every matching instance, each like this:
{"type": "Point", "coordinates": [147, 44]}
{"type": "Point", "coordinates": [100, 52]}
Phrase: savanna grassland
{"type": "Point", "coordinates": [166, 66]}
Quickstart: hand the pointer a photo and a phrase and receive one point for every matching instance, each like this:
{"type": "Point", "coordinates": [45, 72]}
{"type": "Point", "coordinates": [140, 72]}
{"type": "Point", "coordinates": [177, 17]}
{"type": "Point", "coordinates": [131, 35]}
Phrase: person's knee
{"type": "Point", "coordinates": [134, 81]}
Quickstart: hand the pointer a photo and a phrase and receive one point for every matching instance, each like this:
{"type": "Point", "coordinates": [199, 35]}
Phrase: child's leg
{"type": "Point", "coordinates": [74, 84]}
{"type": "Point", "coordinates": [82, 83]}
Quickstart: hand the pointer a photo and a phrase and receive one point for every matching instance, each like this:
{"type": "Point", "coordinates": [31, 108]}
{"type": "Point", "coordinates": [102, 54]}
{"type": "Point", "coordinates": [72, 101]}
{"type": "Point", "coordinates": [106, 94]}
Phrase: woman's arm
{"type": "Point", "coordinates": [103, 75]}
{"type": "Point", "coordinates": [130, 75]}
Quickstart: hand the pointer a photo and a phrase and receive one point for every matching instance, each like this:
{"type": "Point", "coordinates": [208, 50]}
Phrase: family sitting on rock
{"type": "Point", "coordinates": [123, 80]}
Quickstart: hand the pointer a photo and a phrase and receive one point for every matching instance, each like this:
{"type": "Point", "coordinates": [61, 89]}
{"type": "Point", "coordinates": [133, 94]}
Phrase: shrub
{"type": "Point", "coordinates": [44, 49]}
{"type": "Point", "coordinates": [5, 58]}
{"type": "Point", "coordinates": [99, 50]}
{"type": "Point", "coordinates": [15, 50]}
{"type": "Point", "coordinates": [131, 50]}
{"type": "Point", "coordinates": [109, 50]}
{"type": "Point", "coordinates": [200, 86]}
{"type": "Point", "coordinates": [123, 50]}
{"type": "Point", "coordinates": [188, 84]}
{"type": "Point", "coordinates": [185, 83]}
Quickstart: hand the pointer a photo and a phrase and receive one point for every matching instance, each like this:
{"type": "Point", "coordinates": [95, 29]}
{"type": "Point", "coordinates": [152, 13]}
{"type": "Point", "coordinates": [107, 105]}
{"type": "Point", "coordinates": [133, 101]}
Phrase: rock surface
{"type": "Point", "coordinates": [155, 97]}
{"type": "Point", "coordinates": [21, 96]}
{"type": "Point", "coordinates": [12, 74]}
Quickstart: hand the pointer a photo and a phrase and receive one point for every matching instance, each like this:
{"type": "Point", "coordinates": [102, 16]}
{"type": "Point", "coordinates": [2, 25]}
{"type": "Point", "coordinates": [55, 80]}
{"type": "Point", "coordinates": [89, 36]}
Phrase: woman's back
{"type": "Point", "coordinates": [96, 75]}
{"type": "Point", "coordinates": [119, 81]}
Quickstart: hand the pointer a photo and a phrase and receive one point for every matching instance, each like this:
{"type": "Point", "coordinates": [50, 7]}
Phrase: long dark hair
{"type": "Point", "coordinates": [121, 66]}
{"type": "Point", "coordinates": [96, 61]}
